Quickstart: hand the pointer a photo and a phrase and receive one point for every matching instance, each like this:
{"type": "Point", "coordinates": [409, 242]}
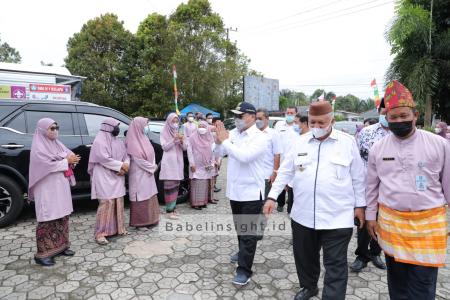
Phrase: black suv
{"type": "Point", "coordinates": [79, 122]}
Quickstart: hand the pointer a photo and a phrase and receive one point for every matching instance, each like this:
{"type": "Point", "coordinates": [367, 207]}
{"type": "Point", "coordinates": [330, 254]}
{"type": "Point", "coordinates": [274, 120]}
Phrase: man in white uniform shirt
{"type": "Point", "coordinates": [273, 151]}
{"type": "Point", "coordinates": [328, 184]}
{"type": "Point", "coordinates": [245, 146]}
{"type": "Point", "coordinates": [286, 130]}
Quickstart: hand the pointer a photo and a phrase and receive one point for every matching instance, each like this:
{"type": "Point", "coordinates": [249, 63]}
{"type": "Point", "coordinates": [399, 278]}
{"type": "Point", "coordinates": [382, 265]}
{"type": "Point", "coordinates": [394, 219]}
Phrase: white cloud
{"type": "Point", "coordinates": [299, 42]}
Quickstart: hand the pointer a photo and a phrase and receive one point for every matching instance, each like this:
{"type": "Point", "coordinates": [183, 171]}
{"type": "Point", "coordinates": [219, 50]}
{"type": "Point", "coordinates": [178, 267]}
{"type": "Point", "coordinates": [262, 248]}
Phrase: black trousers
{"type": "Point", "coordinates": [408, 282]}
{"type": "Point", "coordinates": [307, 243]}
{"type": "Point", "coordinates": [247, 239]}
{"type": "Point", "coordinates": [281, 200]}
{"type": "Point", "coordinates": [364, 240]}
{"type": "Point", "coordinates": [290, 200]}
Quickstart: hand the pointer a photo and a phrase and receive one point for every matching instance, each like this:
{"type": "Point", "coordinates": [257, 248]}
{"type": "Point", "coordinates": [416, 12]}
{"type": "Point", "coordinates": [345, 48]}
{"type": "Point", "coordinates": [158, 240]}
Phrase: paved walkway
{"type": "Point", "coordinates": [151, 265]}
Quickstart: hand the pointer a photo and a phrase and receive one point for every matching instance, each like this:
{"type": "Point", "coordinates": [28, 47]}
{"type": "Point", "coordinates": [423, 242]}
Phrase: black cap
{"type": "Point", "coordinates": [244, 107]}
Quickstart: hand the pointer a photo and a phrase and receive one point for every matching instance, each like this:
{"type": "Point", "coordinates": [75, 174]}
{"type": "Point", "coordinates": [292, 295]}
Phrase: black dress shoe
{"type": "Point", "coordinates": [358, 265]}
{"type": "Point", "coordinates": [46, 262]}
{"type": "Point", "coordinates": [216, 190]}
{"type": "Point", "coordinates": [306, 294]}
{"type": "Point", "coordinates": [197, 208]}
{"type": "Point", "coordinates": [68, 252]}
{"type": "Point", "coordinates": [378, 262]}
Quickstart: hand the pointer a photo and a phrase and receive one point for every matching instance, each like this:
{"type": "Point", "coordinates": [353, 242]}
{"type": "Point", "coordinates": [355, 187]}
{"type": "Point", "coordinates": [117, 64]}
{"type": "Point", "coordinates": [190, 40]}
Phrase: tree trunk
{"type": "Point", "coordinates": [428, 111]}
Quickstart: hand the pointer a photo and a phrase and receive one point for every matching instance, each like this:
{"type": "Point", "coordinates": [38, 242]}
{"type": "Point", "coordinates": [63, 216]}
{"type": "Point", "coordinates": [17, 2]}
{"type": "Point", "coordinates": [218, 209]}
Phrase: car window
{"type": "Point", "coordinates": [93, 123]}
{"type": "Point", "coordinates": [156, 127]}
{"type": "Point", "coordinates": [5, 110]}
{"type": "Point", "coordinates": [18, 123]}
{"type": "Point", "coordinates": [63, 119]}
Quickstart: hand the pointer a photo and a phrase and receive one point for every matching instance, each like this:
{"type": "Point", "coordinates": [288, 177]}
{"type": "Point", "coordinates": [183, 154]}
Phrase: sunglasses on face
{"type": "Point", "coordinates": [53, 128]}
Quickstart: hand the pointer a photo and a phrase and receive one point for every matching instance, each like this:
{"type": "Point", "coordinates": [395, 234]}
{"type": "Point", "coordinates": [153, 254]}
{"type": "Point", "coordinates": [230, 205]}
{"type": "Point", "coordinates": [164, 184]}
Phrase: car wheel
{"type": "Point", "coordinates": [11, 201]}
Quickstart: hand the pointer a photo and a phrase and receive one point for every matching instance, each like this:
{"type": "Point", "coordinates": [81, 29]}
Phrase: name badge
{"type": "Point", "coordinates": [421, 183]}
{"type": "Point", "coordinates": [388, 158]}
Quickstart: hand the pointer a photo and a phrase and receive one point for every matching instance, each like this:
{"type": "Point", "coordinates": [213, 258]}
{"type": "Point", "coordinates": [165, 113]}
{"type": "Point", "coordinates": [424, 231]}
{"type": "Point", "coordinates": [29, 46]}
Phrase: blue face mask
{"type": "Point", "coordinates": [290, 119]}
{"type": "Point", "coordinates": [383, 121]}
{"type": "Point", "coordinates": [297, 128]}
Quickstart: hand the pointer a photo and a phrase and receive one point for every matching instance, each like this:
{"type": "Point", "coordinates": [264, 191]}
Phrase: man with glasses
{"type": "Point", "coordinates": [286, 130]}
{"type": "Point", "coordinates": [245, 146]}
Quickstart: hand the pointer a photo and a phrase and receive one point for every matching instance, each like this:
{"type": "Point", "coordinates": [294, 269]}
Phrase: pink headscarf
{"type": "Point", "coordinates": [169, 131]}
{"type": "Point", "coordinates": [201, 146]}
{"type": "Point", "coordinates": [106, 146]}
{"type": "Point", "coordinates": [44, 153]}
{"type": "Point", "coordinates": [443, 127]}
{"type": "Point", "coordinates": [138, 144]}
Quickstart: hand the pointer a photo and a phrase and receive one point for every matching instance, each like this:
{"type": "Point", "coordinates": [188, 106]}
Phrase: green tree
{"type": "Point", "coordinates": [9, 54]}
{"type": "Point", "coordinates": [317, 93]}
{"type": "Point", "coordinates": [104, 52]}
{"type": "Point", "coordinates": [153, 86]}
{"type": "Point", "coordinates": [422, 59]}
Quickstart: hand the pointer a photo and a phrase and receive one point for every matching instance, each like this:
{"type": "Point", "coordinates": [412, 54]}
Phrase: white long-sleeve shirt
{"type": "Point", "coordinates": [245, 170]}
{"type": "Point", "coordinates": [328, 180]}
{"type": "Point", "coordinates": [273, 148]}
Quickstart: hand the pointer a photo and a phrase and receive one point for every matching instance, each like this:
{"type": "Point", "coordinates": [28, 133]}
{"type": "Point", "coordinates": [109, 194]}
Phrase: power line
{"type": "Point", "coordinates": [322, 19]}
{"type": "Point", "coordinates": [337, 16]}
{"type": "Point", "coordinates": [294, 15]}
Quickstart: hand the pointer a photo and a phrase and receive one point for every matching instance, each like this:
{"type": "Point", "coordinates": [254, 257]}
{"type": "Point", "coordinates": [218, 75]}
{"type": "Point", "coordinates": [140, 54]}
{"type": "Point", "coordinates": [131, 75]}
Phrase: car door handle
{"type": "Point", "coordinates": [12, 146]}
{"type": "Point", "coordinates": [88, 146]}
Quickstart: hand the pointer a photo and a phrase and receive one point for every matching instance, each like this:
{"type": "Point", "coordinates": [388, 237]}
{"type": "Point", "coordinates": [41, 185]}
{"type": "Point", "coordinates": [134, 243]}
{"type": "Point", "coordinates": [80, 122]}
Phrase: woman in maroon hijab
{"type": "Point", "coordinates": [108, 164]}
{"type": "Point", "coordinates": [144, 207]}
{"type": "Point", "coordinates": [50, 177]}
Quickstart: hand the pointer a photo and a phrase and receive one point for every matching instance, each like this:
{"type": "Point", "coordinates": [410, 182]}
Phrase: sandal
{"type": "Point", "coordinates": [101, 241]}
{"type": "Point", "coordinates": [173, 217]}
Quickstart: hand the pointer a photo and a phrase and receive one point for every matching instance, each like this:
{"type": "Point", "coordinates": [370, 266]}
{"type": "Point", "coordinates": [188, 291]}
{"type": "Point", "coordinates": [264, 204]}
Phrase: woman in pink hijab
{"type": "Point", "coordinates": [108, 164]}
{"type": "Point", "coordinates": [201, 166]}
{"type": "Point", "coordinates": [50, 178]}
{"type": "Point", "coordinates": [172, 163]}
{"type": "Point", "coordinates": [144, 207]}
{"type": "Point", "coordinates": [441, 129]}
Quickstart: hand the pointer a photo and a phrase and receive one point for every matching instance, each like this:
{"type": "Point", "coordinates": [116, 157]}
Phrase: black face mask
{"type": "Point", "coordinates": [115, 131]}
{"type": "Point", "coordinates": [401, 129]}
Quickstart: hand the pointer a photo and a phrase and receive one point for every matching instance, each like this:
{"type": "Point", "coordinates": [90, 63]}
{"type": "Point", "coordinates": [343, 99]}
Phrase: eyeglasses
{"type": "Point", "coordinates": [53, 128]}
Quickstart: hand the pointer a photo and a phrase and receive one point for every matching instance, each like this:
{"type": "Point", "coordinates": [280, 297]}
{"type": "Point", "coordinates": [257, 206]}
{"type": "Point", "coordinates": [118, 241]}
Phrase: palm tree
{"type": "Point", "coordinates": [418, 38]}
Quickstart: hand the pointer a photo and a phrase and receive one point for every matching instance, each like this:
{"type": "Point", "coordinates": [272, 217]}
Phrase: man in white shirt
{"type": "Point", "coordinates": [245, 146]}
{"type": "Point", "coordinates": [286, 130]}
{"type": "Point", "coordinates": [189, 127]}
{"type": "Point", "coordinates": [328, 184]}
{"type": "Point", "coordinates": [273, 151]}
{"type": "Point", "coordinates": [300, 127]}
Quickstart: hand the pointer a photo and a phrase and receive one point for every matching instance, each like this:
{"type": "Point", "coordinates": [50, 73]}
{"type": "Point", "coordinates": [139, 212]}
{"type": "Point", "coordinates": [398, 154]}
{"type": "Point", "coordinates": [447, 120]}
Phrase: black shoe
{"type": "Point", "coordinates": [216, 190]}
{"type": "Point", "coordinates": [378, 262]}
{"type": "Point", "coordinates": [46, 262]}
{"type": "Point", "coordinates": [280, 208]}
{"type": "Point", "coordinates": [197, 208]}
{"type": "Point", "coordinates": [358, 265]}
{"type": "Point", "coordinates": [68, 252]}
{"type": "Point", "coordinates": [306, 294]}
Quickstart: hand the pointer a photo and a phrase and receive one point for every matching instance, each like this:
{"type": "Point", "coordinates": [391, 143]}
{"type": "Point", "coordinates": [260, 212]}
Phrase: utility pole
{"type": "Point", "coordinates": [228, 29]}
{"type": "Point", "coordinates": [428, 104]}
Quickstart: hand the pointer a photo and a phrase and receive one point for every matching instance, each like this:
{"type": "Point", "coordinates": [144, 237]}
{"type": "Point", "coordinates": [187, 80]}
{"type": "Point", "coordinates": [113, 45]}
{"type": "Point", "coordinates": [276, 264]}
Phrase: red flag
{"type": "Point", "coordinates": [373, 83]}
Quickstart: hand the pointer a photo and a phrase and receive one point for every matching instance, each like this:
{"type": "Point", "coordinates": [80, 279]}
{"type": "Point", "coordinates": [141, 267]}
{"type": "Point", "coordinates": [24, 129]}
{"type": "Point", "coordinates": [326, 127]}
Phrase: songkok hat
{"type": "Point", "coordinates": [320, 108]}
{"type": "Point", "coordinates": [397, 95]}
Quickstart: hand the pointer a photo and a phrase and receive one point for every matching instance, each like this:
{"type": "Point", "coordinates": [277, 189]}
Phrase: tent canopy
{"type": "Point", "coordinates": [193, 107]}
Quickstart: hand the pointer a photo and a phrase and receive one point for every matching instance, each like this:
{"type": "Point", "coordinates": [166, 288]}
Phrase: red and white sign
{"type": "Point", "coordinates": [49, 88]}
{"type": "Point", "coordinates": [50, 92]}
